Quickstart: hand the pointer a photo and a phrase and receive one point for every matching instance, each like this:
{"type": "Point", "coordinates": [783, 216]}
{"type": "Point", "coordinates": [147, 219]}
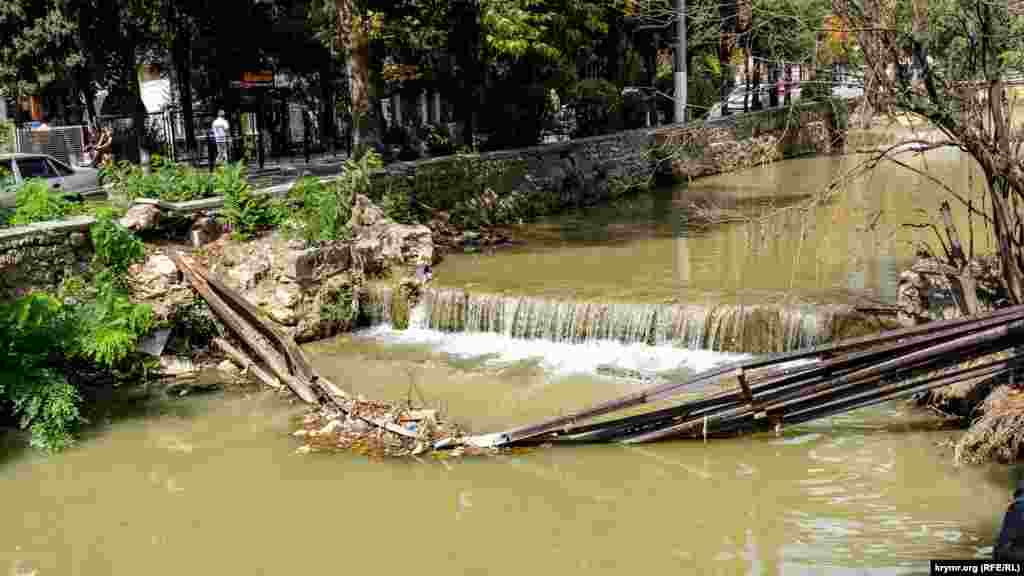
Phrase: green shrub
{"type": "Point", "coordinates": [41, 335]}
{"type": "Point", "coordinates": [325, 209]}
{"type": "Point", "coordinates": [165, 180]}
{"type": "Point", "coordinates": [35, 203]}
{"type": "Point", "coordinates": [438, 138]}
{"type": "Point", "coordinates": [116, 248]}
{"type": "Point", "coordinates": [598, 107]}
{"type": "Point", "coordinates": [339, 307]}
{"type": "Point", "coordinates": [109, 326]}
{"type": "Point", "coordinates": [246, 213]}
{"type": "Point", "coordinates": [397, 204]}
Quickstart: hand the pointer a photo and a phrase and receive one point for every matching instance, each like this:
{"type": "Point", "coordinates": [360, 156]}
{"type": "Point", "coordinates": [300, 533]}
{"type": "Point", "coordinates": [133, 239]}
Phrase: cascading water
{"type": "Point", "coordinates": [712, 326]}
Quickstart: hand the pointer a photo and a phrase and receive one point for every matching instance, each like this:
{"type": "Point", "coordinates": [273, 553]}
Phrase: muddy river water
{"type": "Point", "coordinates": [212, 484]}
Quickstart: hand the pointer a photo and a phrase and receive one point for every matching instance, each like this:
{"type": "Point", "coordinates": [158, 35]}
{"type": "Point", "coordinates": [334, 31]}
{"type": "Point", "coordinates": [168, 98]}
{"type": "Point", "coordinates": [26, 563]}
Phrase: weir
{"type": "Point", "coordinates": [721, 327]}
{"type": "Point", "coordinates": [798, 387]}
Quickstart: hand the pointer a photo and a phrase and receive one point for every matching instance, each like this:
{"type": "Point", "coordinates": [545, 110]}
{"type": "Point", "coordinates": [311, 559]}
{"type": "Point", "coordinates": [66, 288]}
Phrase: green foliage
{"type": "Point", "coordinates": [35, 203]}
{"type": "Point", "coordinates": [165, 180]}
{"type": "Point", "coordinates": [41, 334]}
{"type": "Point", "coordinates": [247, 213]}
{"type": "Point", "coordinates": [397, 204]}
{"type": "Point", "coordinates": [325, 209]}
{"type": "Point", "coordinates": [338, 306]}
{"type": "Point", "coordinates": [598, 106]}
{"type": "Point", "coordinates": [109, 326]}
{"type": "Point", "coordinates": [455, 185]}
{"type": "Point", "coordinates": [116, 248]}
{"type": "Point", "coordinates": [785, 30]}
{"type": "Point", "coordinates": [438, 139]}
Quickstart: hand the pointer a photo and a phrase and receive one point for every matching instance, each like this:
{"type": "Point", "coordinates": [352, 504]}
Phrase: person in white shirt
{"type": "Point", "coordinates": [220, 132]}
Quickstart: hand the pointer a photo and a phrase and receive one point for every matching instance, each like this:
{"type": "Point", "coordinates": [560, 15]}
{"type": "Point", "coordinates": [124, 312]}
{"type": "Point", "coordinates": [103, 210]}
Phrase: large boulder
{"type": "Point", "coordinates": [311, 292]}
{"type": "Point", "coordinates": [141, 217]}
{"type": "Point", "coordinates": [382, 245]}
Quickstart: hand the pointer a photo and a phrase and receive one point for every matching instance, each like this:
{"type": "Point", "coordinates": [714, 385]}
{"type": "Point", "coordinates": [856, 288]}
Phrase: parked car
{"type": "Point", "coordinates": [64, 180]}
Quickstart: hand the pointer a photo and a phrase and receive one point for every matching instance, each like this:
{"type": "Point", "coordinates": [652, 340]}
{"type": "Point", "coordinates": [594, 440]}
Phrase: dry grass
{"type": "Point", "coordinates": [999, 434]}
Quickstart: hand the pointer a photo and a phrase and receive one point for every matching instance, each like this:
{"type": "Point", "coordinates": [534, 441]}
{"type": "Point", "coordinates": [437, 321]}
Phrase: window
{"type": "Point", "coordinates": [34, 168]}
{"type": "Point", "coordinates": [61, 169]}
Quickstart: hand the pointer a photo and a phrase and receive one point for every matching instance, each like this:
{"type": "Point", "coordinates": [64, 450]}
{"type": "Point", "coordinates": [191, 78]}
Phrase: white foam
{"type": "Point", "coordinates": [556, 357]}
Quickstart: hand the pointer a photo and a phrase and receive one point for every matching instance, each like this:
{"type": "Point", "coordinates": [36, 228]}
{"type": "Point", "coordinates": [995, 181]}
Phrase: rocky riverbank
{"type": "Point", "coordinates": [309, 291]}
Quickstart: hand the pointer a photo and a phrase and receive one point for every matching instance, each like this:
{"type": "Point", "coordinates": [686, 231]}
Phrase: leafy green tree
{"type": "Point", "coordinates": [38, 44]}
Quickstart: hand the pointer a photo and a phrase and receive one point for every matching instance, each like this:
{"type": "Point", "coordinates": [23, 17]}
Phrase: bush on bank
{"type": "Point", "coordinates": [45, 336]}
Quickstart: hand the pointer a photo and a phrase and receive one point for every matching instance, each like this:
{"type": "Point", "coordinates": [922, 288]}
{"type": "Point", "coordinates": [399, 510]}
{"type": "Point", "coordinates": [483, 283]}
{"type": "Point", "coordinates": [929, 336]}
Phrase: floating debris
{"type": "Point", "coordinates": [329, 430]}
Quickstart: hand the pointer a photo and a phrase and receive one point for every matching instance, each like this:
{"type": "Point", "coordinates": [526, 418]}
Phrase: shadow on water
{"type": "Point", "coordinates": [105, 407]}
{"type": "Point", "coordinates": [664, 212]}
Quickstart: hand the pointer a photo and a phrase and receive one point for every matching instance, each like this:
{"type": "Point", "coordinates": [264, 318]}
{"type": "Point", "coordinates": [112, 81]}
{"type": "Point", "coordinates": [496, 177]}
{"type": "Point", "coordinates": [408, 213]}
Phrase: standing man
{"type": "Point", "coordinates": [220, 132]}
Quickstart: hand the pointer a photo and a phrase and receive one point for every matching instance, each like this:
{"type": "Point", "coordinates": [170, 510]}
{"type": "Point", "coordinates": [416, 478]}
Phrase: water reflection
{"type": "Point", "coordinates": [651, 248]}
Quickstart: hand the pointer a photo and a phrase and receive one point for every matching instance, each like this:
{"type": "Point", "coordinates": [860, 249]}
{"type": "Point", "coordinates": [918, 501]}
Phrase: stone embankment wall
{"type": "Point", "coordinates": [510, 185]}
{"type": "Point", "coordinates": [40, 255]}
{"type": "Point", "coordinates": [545, 179]}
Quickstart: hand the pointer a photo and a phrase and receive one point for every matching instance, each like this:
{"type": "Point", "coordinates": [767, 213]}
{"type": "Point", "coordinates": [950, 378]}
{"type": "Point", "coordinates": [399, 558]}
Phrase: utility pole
{"type": "Point", "coordinates": [679, 74]}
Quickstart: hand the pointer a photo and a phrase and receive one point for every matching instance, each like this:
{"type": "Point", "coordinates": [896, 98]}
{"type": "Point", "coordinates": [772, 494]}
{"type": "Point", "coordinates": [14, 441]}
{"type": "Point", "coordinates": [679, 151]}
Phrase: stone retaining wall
{"type": "Point", "coordinates": [546, 179]}
{"type": "Point", "coordinates": [41, 255]}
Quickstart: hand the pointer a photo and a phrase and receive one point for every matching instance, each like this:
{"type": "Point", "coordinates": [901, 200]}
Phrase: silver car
{"type": "Point", "coordinates": [64, 180]}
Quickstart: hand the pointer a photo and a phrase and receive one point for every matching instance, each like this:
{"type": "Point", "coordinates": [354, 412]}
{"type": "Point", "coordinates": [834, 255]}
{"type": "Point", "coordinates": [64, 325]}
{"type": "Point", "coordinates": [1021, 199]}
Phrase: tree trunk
{"type": "Point", "coordinates": [353, 35]}
{"type": "Point", "coordinates": [1006, 220]}
{"type": "Point", "coordinates": [327, 132]}
{"type": "Point", "coordinates": [464, 16]}
{"type": "Point", "coordinates": [134, 92]}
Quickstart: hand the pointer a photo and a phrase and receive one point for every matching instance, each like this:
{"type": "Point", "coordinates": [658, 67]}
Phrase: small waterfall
{"type": "Point", "coordinates": [375, 305]}
{"type": "Point", "coordinates": [720, 327]}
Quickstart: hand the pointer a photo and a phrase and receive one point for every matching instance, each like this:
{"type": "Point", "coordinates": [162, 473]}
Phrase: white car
{"type": "Point", "coordinates": [63, 179]}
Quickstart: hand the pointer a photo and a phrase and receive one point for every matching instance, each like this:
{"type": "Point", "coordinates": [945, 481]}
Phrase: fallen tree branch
{"type": "Point", "coordinates": [297, 373]}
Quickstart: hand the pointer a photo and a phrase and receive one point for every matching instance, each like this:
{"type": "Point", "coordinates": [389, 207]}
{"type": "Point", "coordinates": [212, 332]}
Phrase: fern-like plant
{"type": "Point", "coordinates": [109, 326]}
{"type": "Point", "coordinates": [41, 334]}
{"type": "Point", "coordinates": [247, 213]}
{"type": "Point", "coordinates": [33, 331]}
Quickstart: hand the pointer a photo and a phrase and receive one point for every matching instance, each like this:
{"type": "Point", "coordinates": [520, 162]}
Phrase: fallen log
{"type": "Point", "coordinates": [291, 367]}
{"type": "Point", "coordinates": [247, 364]}
{"type": "Point", "coordinates": [244, 330]}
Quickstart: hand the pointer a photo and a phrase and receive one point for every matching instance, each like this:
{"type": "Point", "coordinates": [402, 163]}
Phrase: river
{"type": "Point", "coordinates": [212, 484]}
